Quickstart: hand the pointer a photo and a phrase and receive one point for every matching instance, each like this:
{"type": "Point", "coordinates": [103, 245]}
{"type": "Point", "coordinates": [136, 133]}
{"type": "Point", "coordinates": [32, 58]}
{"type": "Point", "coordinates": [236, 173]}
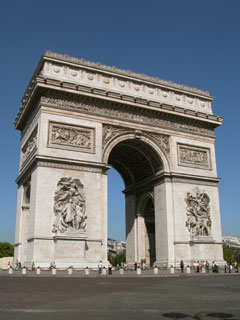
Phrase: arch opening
{"type": "Point", "coordinates": [135, 160]}
{"type": "Point", "coordinates": [138, 163]}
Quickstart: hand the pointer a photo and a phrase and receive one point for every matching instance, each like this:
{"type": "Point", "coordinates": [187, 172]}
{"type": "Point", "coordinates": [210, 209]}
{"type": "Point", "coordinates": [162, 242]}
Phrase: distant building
{"type": "Point", "coordinates": [232, 241]}
{"type": "Point", "coordinates": [115, 246]}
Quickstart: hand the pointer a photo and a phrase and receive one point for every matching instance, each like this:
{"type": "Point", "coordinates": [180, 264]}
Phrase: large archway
{"type": "Point", "coordinates": [77, 120]}
{"type": "Point", "coordinates": [138, 163]}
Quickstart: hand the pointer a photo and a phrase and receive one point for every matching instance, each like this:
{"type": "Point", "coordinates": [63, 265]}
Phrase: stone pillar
{"type": "Point", "coordinates": [141, 234]}
{"type": "Point", "coordinates": [18, 229]}
{"type": "Point", "coordinates": [131, 232]}
{"type": "Point", "coordinates": [104, 218]}
{"type": "Point", "coordinates": [164, 230]}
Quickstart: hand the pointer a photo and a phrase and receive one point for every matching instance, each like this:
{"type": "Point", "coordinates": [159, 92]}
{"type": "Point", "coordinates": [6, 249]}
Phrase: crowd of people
{"type": "Point", "coordinates": [200, 266]}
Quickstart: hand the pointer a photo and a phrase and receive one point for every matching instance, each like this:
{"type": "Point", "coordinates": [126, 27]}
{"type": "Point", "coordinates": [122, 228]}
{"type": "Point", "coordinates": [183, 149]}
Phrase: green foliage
{"type": "Point", "coordinates": [6, 249]}
{"type": "Point", "coordinates": [231, 254]}
{"type": "Point", "coordinates": [118, 259]}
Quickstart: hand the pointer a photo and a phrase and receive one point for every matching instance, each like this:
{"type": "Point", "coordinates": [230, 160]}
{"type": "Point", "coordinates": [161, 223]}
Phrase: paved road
{"type": "Point", "coordinates": [161, 297]}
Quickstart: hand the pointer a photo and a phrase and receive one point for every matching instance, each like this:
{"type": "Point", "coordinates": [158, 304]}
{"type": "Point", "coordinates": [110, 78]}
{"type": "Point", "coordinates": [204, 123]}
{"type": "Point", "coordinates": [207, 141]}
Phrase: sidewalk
{"type": "Point", "coordinates": [115, 273]}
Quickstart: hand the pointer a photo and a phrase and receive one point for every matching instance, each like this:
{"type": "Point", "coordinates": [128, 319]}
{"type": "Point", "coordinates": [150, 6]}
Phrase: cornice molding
{"type": "Point", "coordinates": [126, 73]}
{"type": "Point", "coordinates": [52, 162]}
{"type": "Point", "coordinates": [96, 80]}
{"type": "Point", "coordinates": [166, 177]}
{"type": "Point", "coordinates": [114, 97]}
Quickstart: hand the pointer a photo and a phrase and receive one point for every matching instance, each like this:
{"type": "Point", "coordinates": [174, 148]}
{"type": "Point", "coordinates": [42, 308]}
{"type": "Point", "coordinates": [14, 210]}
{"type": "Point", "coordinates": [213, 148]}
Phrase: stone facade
{"type": "Point", "coordinates": [77, 120]}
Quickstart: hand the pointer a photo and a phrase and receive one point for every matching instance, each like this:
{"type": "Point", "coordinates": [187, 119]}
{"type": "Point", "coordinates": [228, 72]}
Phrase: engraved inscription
{"type": "Point", "coordinates": [71, 137]}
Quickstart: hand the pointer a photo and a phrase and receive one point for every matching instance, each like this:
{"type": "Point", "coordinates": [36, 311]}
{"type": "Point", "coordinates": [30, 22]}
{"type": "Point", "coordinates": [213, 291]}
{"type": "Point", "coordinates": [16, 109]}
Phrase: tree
{"type": "Point", "coordinates": [231, 254]}
{"type": "Point", "coordinates": [6, 249]}
{"type": "Point", "coordinates": [117, 259]}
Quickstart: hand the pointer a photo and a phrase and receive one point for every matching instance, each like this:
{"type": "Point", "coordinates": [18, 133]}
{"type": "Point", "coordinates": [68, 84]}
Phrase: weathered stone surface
{"type": "Point", "coordinates": [82, 118]}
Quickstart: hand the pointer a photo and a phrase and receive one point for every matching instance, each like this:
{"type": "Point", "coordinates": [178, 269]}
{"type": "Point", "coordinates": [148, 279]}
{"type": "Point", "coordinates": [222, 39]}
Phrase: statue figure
{"type": "Point", "coordinates": [69, 206]}
{"type": "Point", "coordinates": [198, 214]}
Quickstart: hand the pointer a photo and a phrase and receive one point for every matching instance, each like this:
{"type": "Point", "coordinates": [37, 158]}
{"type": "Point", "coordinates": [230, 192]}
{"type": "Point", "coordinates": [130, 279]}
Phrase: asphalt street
{"type": "Point", "coordinates": [208, 296]}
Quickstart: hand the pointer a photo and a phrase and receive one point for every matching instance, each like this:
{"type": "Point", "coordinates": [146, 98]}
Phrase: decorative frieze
{"type": "Point", "coordinates": [198, 214]}
{"type": "Point", "coordinates": [29, 147]}
{"type": "Point", "coordinates": [69, 206]}
{"type": "Point", "coordinates": [193, 156]}
{"type": "Point", "coordinates": [71, 137]}
{"type": "Point", "coordinates": [124, 113]}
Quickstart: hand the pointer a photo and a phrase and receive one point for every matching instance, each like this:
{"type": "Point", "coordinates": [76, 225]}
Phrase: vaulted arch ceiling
{"type": "Point", "coordinates": [134, 160]}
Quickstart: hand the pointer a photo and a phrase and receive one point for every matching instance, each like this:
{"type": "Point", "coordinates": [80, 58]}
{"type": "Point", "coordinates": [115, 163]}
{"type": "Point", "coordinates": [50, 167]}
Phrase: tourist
{"type": "Point", "coordinates": [225, 268]}
{"type": "Point", "coordinates": [236, 266]}
{"type": "Point", "coordinates": [109, 268]}
{"type": "Point", "coordinates": [207, 266]}
{"type": "Point", "coordinates": [195, 266]}
{"type": "Point", "coordinates": [100, 267]}
{"type": "Point", "coordinates": [182, 266]}
{"type": "Point", "coordinates": [198, 266]}
{"type": "Point", "coordinates": [213, 267]}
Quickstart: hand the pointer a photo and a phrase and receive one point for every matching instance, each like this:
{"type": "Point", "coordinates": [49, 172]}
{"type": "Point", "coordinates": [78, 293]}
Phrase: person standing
{"type": "Point", "coordinates": [182, 266]}
{"type": "Point", "coordinates": [207, 266]}
{"type": "Point", "coordinates": [109, 268]}
{"type": "Point", "coordinates": [100, 267]}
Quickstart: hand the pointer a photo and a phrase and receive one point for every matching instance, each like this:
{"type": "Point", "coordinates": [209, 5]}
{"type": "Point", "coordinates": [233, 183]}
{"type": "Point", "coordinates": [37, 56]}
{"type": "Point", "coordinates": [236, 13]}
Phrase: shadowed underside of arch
{"type": "Point", "coordinates": [134, 160]}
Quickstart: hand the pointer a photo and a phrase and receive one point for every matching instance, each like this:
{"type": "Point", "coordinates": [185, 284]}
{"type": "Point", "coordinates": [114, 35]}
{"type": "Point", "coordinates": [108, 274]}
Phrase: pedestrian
{"type": "Point", "coordinates": [135, 266]}
{"type": "Point", "coordinates": [213, 267]}
{"type": "Point", "coordinates": [100, 267]}
{"type": "Point", "coordinates": [182, 266]}
{"type": "Point", "coordinates": [109, 268]}
{"type": "Point", "coordinates": [236, 266]}
{"type": "Point", "coordinates": [33, 266]}
{"type": "Point", "coordinates": [207, 266]}
{"type": "Point", "coordinates": [198, 266]}
{"type": "Point", "coordinates": [225, 268]}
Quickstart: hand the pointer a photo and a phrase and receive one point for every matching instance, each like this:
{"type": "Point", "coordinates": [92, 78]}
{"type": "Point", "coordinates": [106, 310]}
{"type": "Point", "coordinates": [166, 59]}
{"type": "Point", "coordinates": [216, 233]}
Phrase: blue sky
{"type": "Point", "coordinates": [195, 43]}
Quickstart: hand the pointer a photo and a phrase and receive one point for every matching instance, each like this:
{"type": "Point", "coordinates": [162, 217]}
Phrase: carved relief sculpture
{"type": "Point", "coordinates": [72, 137]}
{"type": "Point", "coordinates": [198, 214]}
{"type": "Point", "coordinates": [109, 132]}
{"type": "Point", "coordinates": [163, 142]}
{"type": "Point", "coordinates": [69, 206]}
{"type": "Point", "coordinates": [29, 147]}
{"type": "Point", "coordinates": [194, 156]}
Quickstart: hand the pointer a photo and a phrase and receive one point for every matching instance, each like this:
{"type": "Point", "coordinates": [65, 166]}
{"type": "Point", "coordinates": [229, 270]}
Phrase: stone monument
{"type": "Point", "coordinates": [77, 120]}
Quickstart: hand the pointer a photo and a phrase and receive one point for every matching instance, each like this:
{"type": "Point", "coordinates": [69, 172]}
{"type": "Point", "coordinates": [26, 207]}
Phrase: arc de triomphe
{"type": "Point", "coordinates": [77, 120]}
